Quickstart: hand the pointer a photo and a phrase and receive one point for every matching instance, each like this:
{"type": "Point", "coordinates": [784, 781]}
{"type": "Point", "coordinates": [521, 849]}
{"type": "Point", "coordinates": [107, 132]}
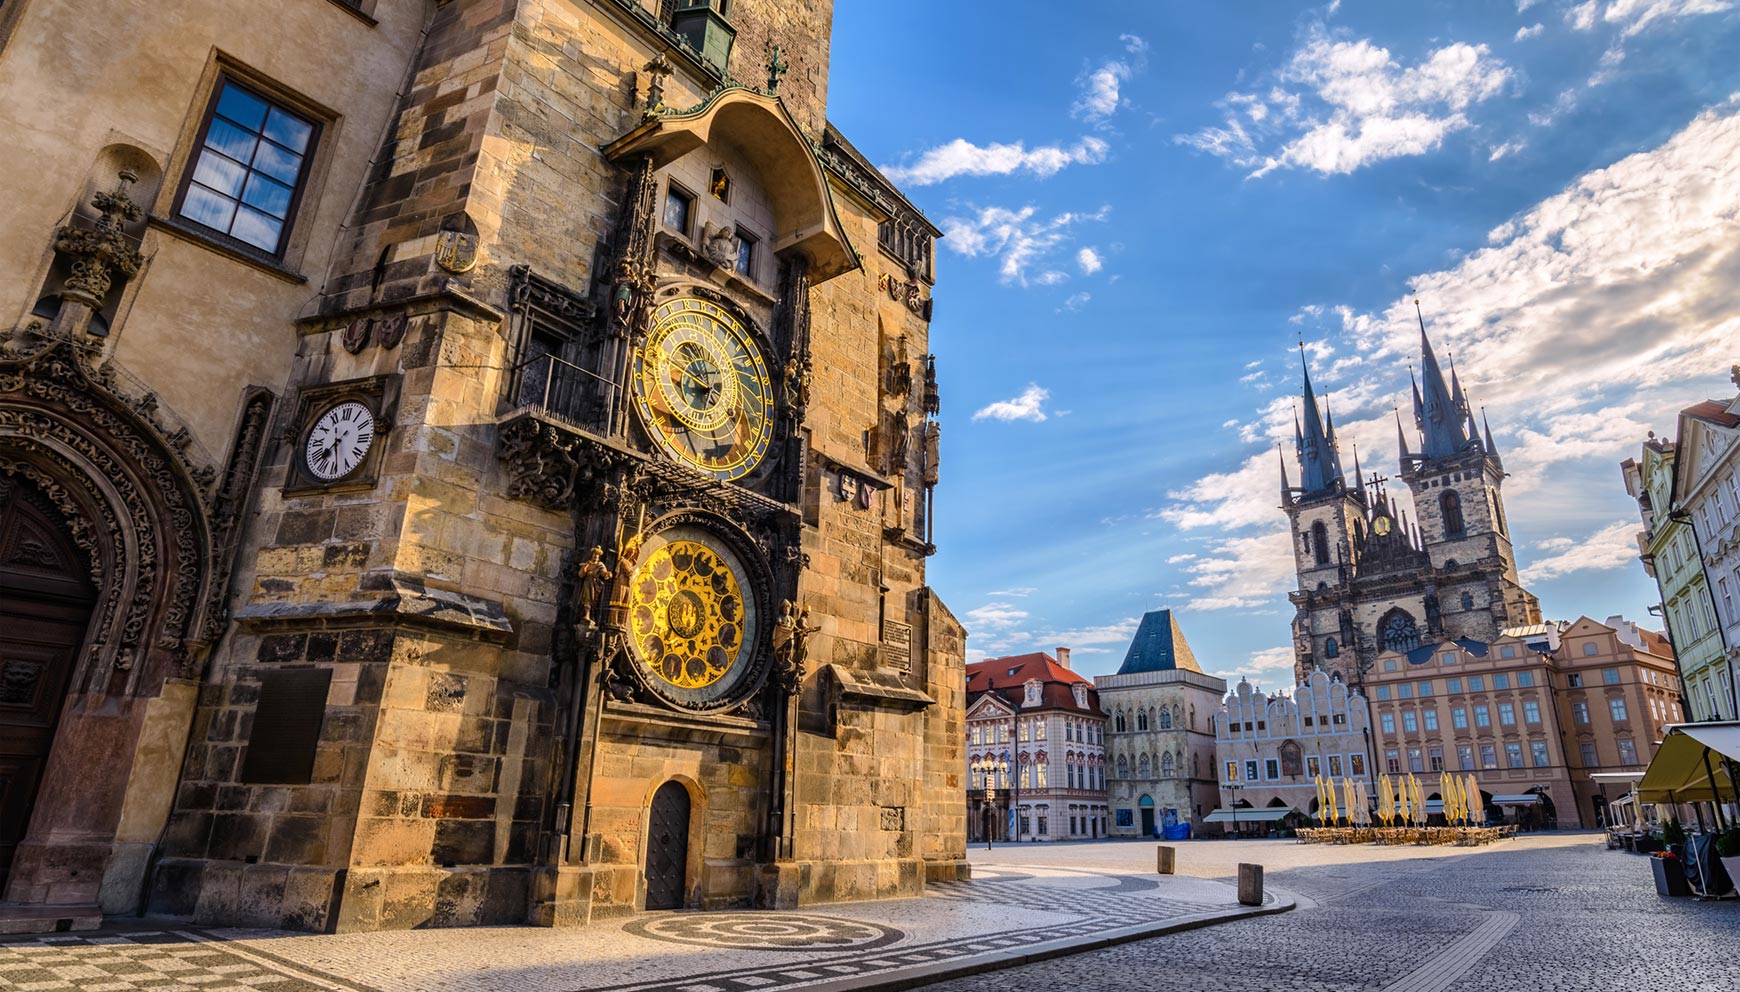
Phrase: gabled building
{"type": "Point", "coordinates": [1706, 488]}
{"type": "Point", "coordinates": [1160, 737]}
{"type": "Point", "coordinates": [1668, 547]}
{"type": "Point", "coordinates": [1036, 741]}
{"type": "Point", "coordinates": [1271, 748]}
{"type": "Point", "coordinates": [1370, 579]}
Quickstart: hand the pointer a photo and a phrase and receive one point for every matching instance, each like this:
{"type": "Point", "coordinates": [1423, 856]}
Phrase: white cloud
{"type": "Point", "coordinates": [1274, 663]}
{"type": "Point", "coordinates": [1175, 559]}
{"type": "Point", "coordinates": [961, 157]}
{"type": "Point", "coordinates": [1340, 104]}
{"type": "Point", "coordinates": [1581, 17]}
{"type": "Point", "coordinates": [1075, 302]}
{"type": "Point", "coordinates": [1583, 322]}
{"type": "Point", "coordinates": [1134, 44]}
{"type": "Point", "coordinates": [1089, 260]}
{"type": "Point", "coordinates": [1028, 406]}
{"type": "Point", "coordinates": [1522, 6]}
{"type": "Point", "coordinates": [1632, 16]}
{"type": "Point", "coordinates": [1019, 239]}
{"type": "Point", "coordinates": [1508, 148]}
{"type": "Point", "coordinates": [1533, 30]}
{"type": "Point", "coordinates": [1613, 546]}
{"type": "Point", "coordinates": [1018, 592]}
{"type": "Point", "coordinates": [1100, 88]}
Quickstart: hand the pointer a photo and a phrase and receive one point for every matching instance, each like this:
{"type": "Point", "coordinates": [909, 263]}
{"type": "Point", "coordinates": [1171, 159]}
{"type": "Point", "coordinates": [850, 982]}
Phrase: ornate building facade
{"type": "Point", "coordinates": [1706, 499]}
{"type": "Point", "coordinates": [1159, 731]}
{"type": "Point", "coordinates": [471, 465]}
{"type": "Point", "coordinates": [1270, 749]}
{"type": "Point", "coordinates": [1036, 751]}
{"type": "Point", "coordinates": [1370, 578]}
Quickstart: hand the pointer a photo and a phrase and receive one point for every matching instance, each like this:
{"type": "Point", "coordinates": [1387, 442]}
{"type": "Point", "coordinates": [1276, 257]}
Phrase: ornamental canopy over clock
{"type": "Point", "coordinates": [703, 389]}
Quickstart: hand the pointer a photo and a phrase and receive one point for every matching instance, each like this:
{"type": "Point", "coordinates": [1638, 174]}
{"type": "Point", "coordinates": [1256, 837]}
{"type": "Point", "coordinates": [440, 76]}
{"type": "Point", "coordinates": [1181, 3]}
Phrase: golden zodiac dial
{"type": "Point", "coordinates": [687, 614]}
{"type": "Point", "coordinates": [703, 388]}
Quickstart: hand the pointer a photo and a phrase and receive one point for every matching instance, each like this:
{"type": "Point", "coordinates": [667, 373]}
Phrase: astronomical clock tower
{"type": "Point", "coordinates": [590, 575]}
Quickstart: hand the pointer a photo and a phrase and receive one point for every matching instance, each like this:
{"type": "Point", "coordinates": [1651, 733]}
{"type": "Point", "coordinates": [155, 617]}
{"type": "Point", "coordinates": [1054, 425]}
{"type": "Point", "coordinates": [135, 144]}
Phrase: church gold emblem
{"type": "Point", "coordinates": [1381, 526]}
{"type": "Point", "coordinates": [686, 615]}
{"type": "Point", "coordinates": [703, 389]}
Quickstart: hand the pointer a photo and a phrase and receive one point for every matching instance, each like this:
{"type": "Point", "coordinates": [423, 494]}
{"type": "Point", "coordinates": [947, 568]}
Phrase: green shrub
{"type": "Point", "coordinates": [1672, 832]}
{"type": "Point", "coordinates": [1728, 843]}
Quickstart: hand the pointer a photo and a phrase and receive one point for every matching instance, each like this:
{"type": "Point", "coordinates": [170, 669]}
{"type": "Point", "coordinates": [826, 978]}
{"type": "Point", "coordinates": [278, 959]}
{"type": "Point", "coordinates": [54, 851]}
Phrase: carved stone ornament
{"type": "Point", "coordinates": [100, 254]}
{"type": "Point", "coordinates": [355, 335]}
{"type": "Point", "coordinates": [549, 466]}
{"type": "Point", "coordinates": [846, 487]}
{"type": "Point", "coordinates": [720, 246]}
{"type": "Point", "coordinates": [134, 502]}
{"type": "Point", "coordinates": [456, 251]}
{"type": "Point", "coordinates": [390, 330]}
{"type": "Point", "coordinates": [905, 292]}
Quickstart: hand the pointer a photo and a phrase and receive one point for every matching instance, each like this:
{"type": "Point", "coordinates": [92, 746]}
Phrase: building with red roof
{"type": "Point", "coordinates": [1035, 746]}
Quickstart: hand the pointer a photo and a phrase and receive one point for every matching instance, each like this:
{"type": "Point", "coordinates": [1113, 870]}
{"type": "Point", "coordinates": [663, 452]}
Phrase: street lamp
{"type": "Point", "coordinates": [984, 767]}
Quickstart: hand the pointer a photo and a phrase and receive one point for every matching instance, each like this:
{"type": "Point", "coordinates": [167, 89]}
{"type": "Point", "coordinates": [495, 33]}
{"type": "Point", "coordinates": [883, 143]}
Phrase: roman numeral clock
{"type": "Point", "coordinates": [339, 432]}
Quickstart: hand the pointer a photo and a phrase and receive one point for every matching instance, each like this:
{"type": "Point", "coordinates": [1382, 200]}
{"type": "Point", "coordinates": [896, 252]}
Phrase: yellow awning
{"type": "Point", "coordinates": [1678, 774]}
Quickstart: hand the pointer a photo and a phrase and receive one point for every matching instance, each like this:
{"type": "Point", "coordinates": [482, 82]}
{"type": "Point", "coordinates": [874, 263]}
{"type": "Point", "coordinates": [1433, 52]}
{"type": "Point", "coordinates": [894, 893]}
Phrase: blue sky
{"type": "Point", "coordinates": [1149, 204]}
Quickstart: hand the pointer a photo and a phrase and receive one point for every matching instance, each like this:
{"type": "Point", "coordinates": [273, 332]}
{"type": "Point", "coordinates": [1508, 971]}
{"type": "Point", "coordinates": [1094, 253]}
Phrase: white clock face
{"type": "Point", "coordinates": [339, 440]}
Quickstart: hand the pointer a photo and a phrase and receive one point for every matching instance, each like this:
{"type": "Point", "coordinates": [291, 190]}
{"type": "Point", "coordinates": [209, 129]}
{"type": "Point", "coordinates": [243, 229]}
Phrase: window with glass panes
{"type": "Point", "coordinates": [1627, 751]}
{"type": "Point", "coordinates": [1488, 756]}
{"type": "Point", "coordinates": [251, 162]}
{"type": "Point", "coordinates": [1393, 761]}
{"type": "Point", "coordinates": [1531, 711]}
{"type": "Point", "coordinates": [1580, 712]}
{"type": "Point", "coordinates": [1415, 764]}
{"type": "Point", "coordinates": [1513, 754]}
{"type": "Point", "coordinates": [1459, 717]}
{"type": "Point", "coordinates": [1388, 720]}
{"type": "Point", "coordinates": [1410, 722]}
{"type": "Point", "coordinates": [1435, 758]}
{"type": "Point", "coordinates": [1617, 708]}
{"type": "Point", "coordinates": [1540, 753]}
{"type": "Point", "coordinates": [1482, 717]}
{"type": "Point", "coordinates": [1430, 717]}
{"type": "Point", "coordinates": [1465, 757]}
{"type": "Point", "coordinates": [1507, 714]}
{"type": "Point", "coordinates": [1587, 750]}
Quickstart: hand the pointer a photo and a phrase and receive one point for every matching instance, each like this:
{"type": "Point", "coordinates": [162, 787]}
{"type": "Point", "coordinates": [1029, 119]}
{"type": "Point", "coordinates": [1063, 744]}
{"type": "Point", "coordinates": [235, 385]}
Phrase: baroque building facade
{"type": "Point", "coordinates": [1035, 751]}
{"type": "Point", "coordinates": [1530, 714]}
{"type": "Point", "coordinates": [1669, 549]}
{"type": "Point", "coordinates": [1372, 579]}
{"type": "Point", "coordinates": [1159, 730]}
{"type": "Point", "coordinates": [472, 468]}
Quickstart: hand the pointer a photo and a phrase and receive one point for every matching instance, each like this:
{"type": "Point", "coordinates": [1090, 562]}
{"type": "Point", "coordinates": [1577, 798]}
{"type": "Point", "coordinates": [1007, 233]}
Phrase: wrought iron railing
{"type": "Point", "coordinates": [565, 391]}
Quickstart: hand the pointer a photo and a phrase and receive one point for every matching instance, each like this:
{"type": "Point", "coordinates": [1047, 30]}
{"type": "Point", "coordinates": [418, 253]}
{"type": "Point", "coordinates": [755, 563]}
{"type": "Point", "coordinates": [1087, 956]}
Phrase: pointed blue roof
{"type": "Point", "coordinates": [1159, 646]}
{"type": "Point", "coordinates": [1438, 414]}
{"type": "Point", "coordinates": [1319, 462]}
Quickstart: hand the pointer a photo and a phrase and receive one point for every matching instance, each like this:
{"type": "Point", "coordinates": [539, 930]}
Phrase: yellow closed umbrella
{"type": "Point", "coordinates": [1347, 794]}
{"type": "Point", "coordinates": [1386, 800]}
{"type": "Point", "coordinates": [1321, 805]}
{"type": "Point", "coordinates": [1476, 805]}
{"type": "Point", "coordinates": [1419, 801]}
{"type": "Point", "coordinates": [1449, 800]}
{"type": "Point", "coordinates": [1334, 814]}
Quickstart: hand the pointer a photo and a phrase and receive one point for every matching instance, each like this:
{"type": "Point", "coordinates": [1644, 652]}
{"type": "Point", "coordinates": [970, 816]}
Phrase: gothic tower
{"type": "Point", "coordinates": [1372, 580]}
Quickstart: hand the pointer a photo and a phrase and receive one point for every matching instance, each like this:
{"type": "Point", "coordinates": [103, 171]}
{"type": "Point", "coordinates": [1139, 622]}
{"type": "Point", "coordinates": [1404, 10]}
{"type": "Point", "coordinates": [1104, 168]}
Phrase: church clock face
{"type": "Point", "coordinates": [692, 617]}
{"type": "Point", "coordinates": [338, 441]}
{"type": "Point", "coordinates": [703, 388]}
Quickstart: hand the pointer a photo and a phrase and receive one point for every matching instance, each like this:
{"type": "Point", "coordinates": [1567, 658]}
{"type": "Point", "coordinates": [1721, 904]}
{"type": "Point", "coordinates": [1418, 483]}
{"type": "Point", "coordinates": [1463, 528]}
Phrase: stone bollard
{"type": "Point", "coordinates": [1167, 857]}
{"type": "Point", "coordinates": [1250, 885]}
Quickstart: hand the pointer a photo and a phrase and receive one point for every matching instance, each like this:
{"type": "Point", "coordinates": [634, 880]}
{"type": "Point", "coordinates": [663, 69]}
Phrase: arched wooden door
{"type": "Point", "coordinates": [667, 847]}
{"type": "Point", "coordinates": [45, 608]}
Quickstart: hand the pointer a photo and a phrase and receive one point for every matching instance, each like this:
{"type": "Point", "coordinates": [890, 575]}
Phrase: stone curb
{"type": "Point", "coordinates": [942, 971]}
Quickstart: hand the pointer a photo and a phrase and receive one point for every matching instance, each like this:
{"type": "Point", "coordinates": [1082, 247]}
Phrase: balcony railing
{"type": "Point", "coordinates": [561, 390]}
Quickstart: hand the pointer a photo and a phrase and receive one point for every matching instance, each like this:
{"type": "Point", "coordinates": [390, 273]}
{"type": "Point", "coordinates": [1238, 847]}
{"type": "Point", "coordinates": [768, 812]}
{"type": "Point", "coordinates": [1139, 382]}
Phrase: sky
{"type": "Point", "coordinates": [1150, 205]}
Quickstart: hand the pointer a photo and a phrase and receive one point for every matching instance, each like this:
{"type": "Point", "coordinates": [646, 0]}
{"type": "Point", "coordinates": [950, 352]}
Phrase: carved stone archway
{"type": "Point", "coordinates": [139, 507]}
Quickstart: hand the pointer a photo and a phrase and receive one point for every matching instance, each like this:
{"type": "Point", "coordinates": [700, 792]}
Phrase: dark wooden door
{"type": "Point", "coordinates": [45, 608]}
{"type": "Point", "coordinates": [667, 847]}
{"type": "Point", "coordinates": [1148, 821]}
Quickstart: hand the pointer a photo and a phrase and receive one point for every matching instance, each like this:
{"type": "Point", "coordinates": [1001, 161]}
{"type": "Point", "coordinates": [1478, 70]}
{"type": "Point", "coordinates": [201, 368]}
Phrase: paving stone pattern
{"type": "Point", "coordinates": [1005, 909]}
{"type": "Point", "coordinates": [1588, 919]}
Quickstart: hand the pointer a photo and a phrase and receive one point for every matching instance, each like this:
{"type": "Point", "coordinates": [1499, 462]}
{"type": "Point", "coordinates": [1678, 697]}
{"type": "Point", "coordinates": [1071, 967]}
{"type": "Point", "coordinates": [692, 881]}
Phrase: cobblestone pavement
{"type": "Point", "coordinates": [1003, 910]}
{"type": "Point", "coordinates": [1546, 913]}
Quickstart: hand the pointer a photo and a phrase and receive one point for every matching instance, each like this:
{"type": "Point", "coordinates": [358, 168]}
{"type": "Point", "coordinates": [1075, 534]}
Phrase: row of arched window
{"type": "Point", "coordinates": [1166, 766]}
{"type": "Point", "coordinates": [1154, 718]}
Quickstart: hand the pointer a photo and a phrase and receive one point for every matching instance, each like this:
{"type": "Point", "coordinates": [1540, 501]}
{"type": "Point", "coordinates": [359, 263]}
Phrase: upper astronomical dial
{"type": "Point", "coordinates": [703, 388]}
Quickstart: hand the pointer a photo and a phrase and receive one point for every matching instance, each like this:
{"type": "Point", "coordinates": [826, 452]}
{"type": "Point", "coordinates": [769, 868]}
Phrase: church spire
{"type": "Point", "coordinates": [1319, 464]}
{"type": "Point", "coordinates": [1402, 438]}
{"type": "Point", "coordinates": [1438, 412]}
{"type": "Point", "coordinates": [1358, 475]}
{"type": "Point", "coordinates": [1286, 489]}
{"type": "Point", "coordinates": [1491, 449]}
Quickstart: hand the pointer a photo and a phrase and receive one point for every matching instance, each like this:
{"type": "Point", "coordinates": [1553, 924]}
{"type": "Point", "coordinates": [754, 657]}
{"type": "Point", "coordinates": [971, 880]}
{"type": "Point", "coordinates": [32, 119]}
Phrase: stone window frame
{"type": "Point", "coordinates": [305, 202]}
{"type": "Point", "coordinates": [677, 189]}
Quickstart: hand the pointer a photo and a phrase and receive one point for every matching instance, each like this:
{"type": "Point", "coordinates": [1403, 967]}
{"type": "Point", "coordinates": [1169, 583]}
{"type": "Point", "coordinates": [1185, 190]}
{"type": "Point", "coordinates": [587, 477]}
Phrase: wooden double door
{"type": "Point", "coordinates": [45, 610]}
